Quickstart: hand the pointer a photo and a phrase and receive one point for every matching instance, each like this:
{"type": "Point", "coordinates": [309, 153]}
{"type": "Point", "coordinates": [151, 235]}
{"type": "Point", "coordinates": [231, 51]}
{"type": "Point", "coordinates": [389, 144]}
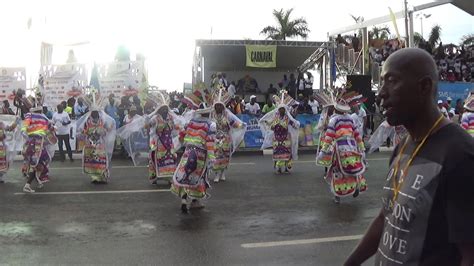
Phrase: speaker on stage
{"type": "Point", "coordinates": [363, 85]}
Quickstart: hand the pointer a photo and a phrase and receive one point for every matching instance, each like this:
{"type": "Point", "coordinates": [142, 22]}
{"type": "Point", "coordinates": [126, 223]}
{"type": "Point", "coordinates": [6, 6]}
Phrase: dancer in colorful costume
{"type": "Point", "coordinates": [155, 138]}
{"type": "Point", "coordinates": [280, 131]}
{"type": "Point", "coordinates": [327, 102]}
{"type": "Point", "coordinates": [229, 134]}
{"type": "Point", "coordinates": [98, 130]}
{"type": "Point", "coordinates": [342, 150]}
{"type": "Point", "coordinates": [9, 134]}
{"type": "Point", "coordinates": [467, 119]}
{"type": "Point", "coordinates": [38, 149]}
{"type": "Point", "coordinates": [190, 180]}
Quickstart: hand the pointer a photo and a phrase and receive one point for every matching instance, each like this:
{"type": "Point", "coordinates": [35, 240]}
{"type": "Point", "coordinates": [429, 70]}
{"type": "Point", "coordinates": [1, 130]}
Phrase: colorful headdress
{"type": "Point", "coordinates": [469, 104]}
{"type": "Point", "coordinates": [284, 99]}
{"type": "Point", "coordinates": [97, 103]}
{"type": "Point", "coordinates": [353, 98]}
{"type": "Point", "coordinates": [159, 98]}
{"type": "Point", "coordinates": [339, 98]}
{"type": "Point", "coordinates": [324, 98]}
{"type": "Point", "coordinates": [342, 106]}
{"type": "Point", "coordinates": [220, 95]}
{"type": "Point", "coordinates": [200, 99]}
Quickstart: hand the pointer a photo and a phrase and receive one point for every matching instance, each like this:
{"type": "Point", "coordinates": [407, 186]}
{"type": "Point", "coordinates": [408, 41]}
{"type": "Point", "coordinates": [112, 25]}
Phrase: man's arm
{"type": "Point", "coordinates": [369, 243]}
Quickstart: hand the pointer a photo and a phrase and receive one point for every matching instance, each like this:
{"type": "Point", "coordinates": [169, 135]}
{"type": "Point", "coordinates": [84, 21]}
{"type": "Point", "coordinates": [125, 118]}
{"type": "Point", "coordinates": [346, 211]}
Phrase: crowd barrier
{"type": "Point", "coordinates": [253, 139]}
{"type": "Point", "coordinates": [455, 90]}
{"type": "Point", "coordinates": [308, 134]}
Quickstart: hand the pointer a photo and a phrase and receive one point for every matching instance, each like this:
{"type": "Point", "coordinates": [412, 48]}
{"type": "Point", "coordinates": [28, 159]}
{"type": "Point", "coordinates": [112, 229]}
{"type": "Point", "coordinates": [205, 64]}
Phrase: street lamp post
{"type": "Point", "coordinates": [405, 2]}
{"type": "Point", "coordinates": [421, 16]}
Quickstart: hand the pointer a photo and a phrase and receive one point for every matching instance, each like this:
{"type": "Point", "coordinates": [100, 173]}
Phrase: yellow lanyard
{"type": "Point", "coordinates": [396, 187]}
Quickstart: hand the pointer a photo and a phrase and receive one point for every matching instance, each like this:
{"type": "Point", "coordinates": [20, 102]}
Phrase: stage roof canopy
{"type": "Point", "coordinates": [230, 55]}
{"type": "Point", "coordinates": [466, 5]}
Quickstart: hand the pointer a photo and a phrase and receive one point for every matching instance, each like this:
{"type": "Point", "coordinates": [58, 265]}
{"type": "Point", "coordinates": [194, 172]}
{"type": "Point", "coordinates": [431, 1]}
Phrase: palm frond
{"type": "Point", "coordinates": [286, 27]}
{"type": "Point", "coordinates": [435, 36]}
{"type": "Point", "coordinates": [418, 38]}
{"type": "Point", "coordinates": [467, 39]}
{"type": "Point", "coordinates": [356, 19]}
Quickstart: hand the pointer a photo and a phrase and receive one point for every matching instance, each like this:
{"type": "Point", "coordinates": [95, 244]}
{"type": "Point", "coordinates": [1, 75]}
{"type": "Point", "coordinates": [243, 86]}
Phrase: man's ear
{"type": "Point", "coordinates": [426, 87]}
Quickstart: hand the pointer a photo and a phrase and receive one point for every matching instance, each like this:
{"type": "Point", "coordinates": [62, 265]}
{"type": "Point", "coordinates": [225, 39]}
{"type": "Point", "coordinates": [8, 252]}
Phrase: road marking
{"type": "Point", "coordinates": [378, 159]}
{"type": "Point", "coordinates": [301, 241]}
{"type": "Point", "coordinates": [95, 192]}
{"type": "Point", "coordinates": [314, 161]}
{"type": "Point", "coordinates": [113, 167]}
{"type": "Point", "coordinates": [128, 166]}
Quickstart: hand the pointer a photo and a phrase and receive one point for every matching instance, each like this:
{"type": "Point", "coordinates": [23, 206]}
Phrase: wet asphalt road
{"type": "Point", "coordinates": [254, 205]}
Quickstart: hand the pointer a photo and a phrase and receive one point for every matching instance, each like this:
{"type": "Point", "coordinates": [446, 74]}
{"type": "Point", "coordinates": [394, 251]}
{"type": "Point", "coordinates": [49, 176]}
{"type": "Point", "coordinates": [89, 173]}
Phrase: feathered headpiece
{"type": "Point", "coordinates": [200, 99]}
{"type": "Point", "coordinates": [96, 102]}
{"type": "Point", "coordinates": [159, 98]}
{"type": "Point", "coordinates": [284, 99]}
{"type": "Point", "coordinates": [220, 95]}
{"type": "Point", "coordinates": [469, 104]}
{"type": "Point", "coordinates": [353, 98]}
{"type": "Point", "coordinates": [324, 98]}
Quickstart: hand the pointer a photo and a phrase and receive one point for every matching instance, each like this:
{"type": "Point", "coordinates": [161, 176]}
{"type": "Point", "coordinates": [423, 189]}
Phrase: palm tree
{"type": "Point", "coordinates": [286, 28]}
{"type": "Point", "coordinates": [435, 36]}
{"type": "Point", "coordinates": [379, 33]}
{"type": "Point", "coordinates": [358, 19]}
{"type": "Point", "coordinates": [468, 39]}
{"type": "Point", "coordinates": [418, 38]}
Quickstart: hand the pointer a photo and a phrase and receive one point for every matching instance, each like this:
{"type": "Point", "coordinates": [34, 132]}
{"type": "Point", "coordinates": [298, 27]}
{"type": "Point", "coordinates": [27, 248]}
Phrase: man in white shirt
{"type": "Point", "coordinates": [132, 115]}
{"type": "Point", "coordinates": [359, 116]}
{"type": "Point", "coordinates": [314, 104]}
{"type": "Point", "coordinates": [61, 122]}
{"type": "Point", "coordinates": [80, 108]}
{"type": "Point", "coordinates": [442, 109]}
{"type": "Point", "coordinates": [223, 80]}
{"type": "Point", "coordinates": [252, 108]}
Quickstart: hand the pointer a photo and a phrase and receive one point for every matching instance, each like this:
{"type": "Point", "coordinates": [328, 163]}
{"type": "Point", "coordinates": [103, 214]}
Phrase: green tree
{"type": "Point", "coordinates": [435, 36]}
{"type": "Point", "coordinates": [418, 38]}
{"type": "Point", "coordinates": [468, 39]}
{"type": "Point", "coordinates": [379, 33]}
{"type": "Point", "coordinates": [286, 28]}
{"type": "Point", "coordinates": [357, 20]}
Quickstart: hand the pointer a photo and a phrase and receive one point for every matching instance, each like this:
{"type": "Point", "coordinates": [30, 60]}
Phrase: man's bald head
{"type": "Point", "coordinates": [409, 87]}
{"type": "Point", "coordinates": [416, 64]}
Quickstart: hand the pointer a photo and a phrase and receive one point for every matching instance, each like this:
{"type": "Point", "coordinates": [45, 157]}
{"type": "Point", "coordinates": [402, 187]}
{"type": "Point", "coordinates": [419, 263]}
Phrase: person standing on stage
{"type": "Point", "coordinates": [230, 132]}
{"type": "Point", "coordinates": [190, 180]}
{"type": "Point", "coordinates": [280, 131]}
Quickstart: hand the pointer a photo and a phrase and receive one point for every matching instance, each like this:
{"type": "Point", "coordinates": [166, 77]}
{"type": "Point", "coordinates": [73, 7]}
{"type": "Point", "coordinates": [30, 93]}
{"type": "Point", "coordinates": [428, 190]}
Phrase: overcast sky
{"type": "Point", "coordinates": [165, 31]}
